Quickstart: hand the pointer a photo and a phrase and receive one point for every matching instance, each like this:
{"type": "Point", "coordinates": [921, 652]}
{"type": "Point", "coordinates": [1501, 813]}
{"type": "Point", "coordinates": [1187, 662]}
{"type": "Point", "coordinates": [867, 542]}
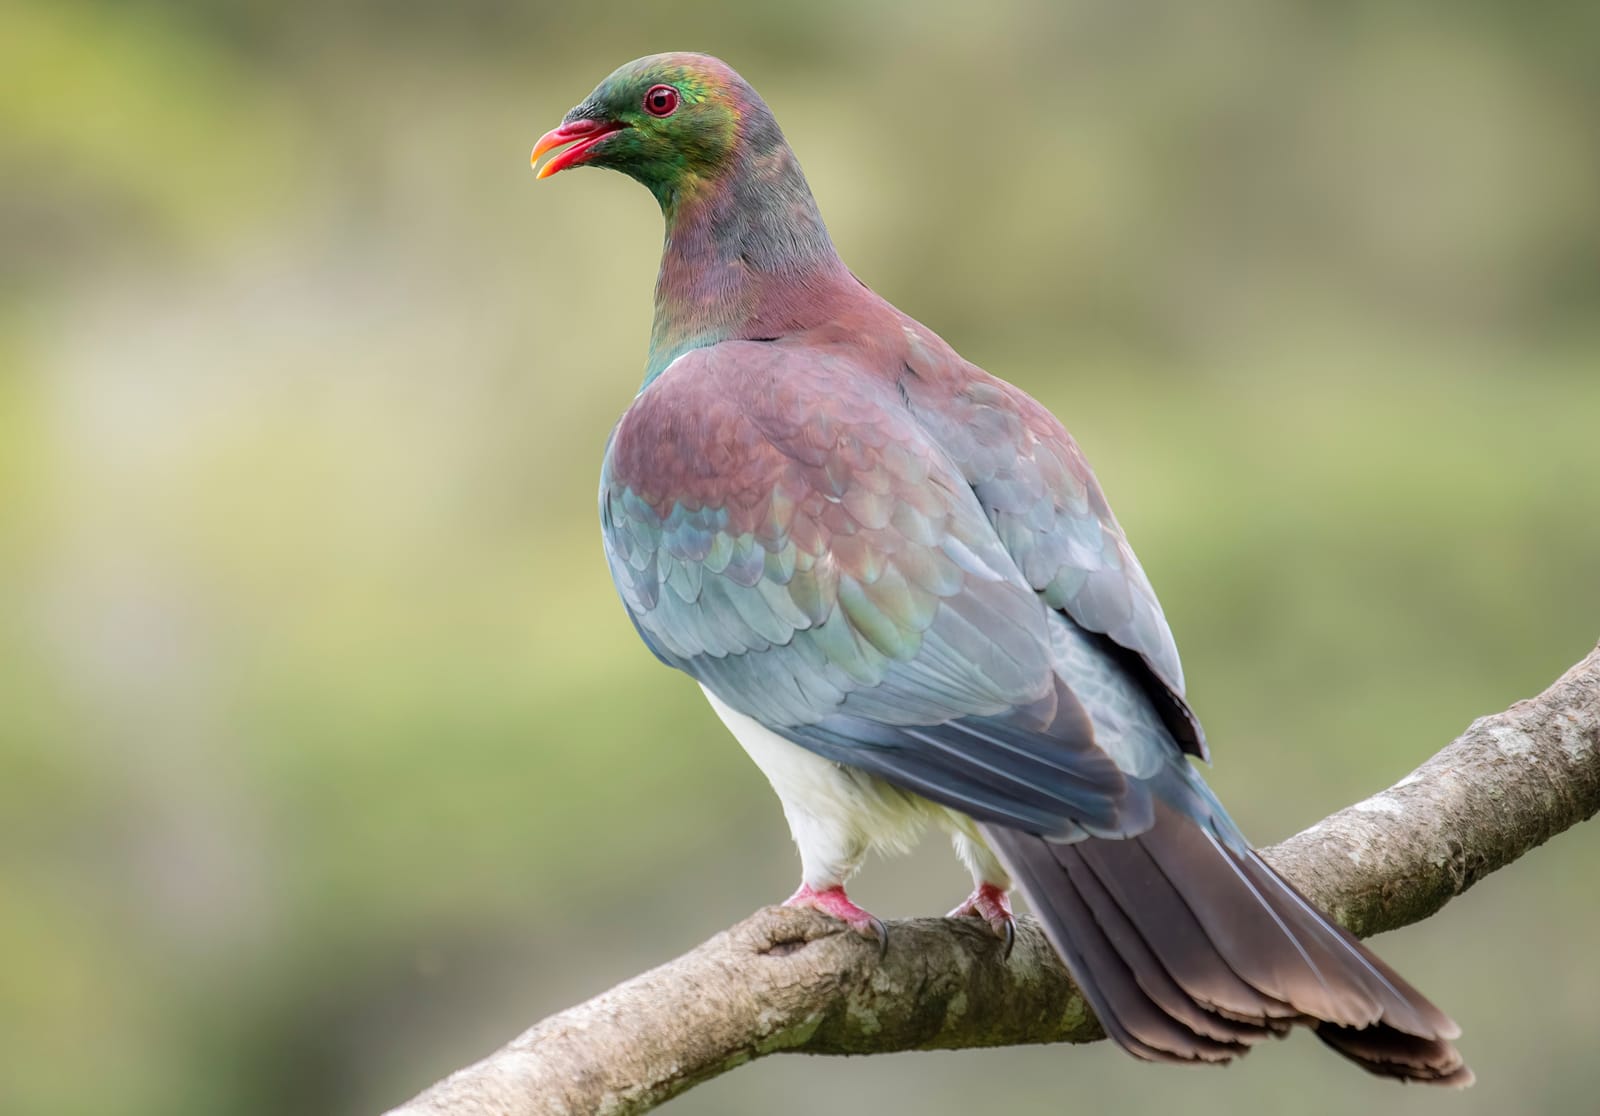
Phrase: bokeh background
{"type": "Point", "coordinates": [328, 760]}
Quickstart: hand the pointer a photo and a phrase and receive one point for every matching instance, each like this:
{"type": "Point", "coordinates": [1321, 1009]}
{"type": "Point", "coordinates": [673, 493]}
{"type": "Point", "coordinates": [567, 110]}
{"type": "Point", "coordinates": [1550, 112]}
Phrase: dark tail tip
{"type": "Point", "coordinates": [1382, 1050]}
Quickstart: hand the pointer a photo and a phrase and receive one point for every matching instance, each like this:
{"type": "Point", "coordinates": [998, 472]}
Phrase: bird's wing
{"type": "Point", "coordinates": [1038, 490]}
{"type": "Point", "coordinates": [781, 528]}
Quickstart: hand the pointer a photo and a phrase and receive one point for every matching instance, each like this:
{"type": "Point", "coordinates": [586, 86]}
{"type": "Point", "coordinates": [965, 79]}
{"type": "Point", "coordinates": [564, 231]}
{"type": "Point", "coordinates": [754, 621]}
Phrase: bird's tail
{"type": "Point", "coordinates": [1191, 949]}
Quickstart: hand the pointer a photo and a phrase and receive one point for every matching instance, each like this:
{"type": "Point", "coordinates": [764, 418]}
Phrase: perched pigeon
{"type": "Point", "coordinates": [901, 588]}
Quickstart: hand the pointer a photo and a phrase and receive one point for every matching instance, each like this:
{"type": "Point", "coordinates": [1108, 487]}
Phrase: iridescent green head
{"type": "Point", "coordinates": [670, 121]}
{"type": "Point", "coordinates": [746, 253]}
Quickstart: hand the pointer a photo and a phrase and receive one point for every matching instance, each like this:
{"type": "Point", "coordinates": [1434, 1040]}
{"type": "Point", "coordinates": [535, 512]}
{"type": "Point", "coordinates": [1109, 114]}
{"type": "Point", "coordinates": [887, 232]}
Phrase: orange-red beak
{"type": "Point", "coordinates": [581, 134]}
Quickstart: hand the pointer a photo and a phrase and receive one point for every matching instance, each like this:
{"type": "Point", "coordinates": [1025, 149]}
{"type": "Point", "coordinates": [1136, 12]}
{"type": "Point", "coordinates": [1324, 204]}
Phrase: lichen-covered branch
{"type": "Point", "coordinates": [785, 980]}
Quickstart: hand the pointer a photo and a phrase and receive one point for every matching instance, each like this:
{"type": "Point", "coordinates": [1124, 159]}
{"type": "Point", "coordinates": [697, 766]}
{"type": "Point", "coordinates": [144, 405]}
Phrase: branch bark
{"type": "Point", "coordinates": [790, 981]}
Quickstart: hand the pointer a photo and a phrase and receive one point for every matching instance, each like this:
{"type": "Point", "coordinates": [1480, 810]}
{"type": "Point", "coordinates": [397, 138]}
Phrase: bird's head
{"type": "Point", "coordinates": [667, 120]}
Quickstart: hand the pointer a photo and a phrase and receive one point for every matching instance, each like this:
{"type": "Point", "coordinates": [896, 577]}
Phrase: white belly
{"type": "Point", "coordinates": [837, 814]}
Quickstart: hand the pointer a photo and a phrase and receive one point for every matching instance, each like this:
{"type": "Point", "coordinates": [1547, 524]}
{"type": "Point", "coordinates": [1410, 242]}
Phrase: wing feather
{"type": "Point", "coordinates": [842, 581]}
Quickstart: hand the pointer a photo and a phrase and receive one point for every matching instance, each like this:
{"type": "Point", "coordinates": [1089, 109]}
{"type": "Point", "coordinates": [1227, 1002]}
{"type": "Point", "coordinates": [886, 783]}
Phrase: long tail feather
{"type": "Point", "coordinates": [1191, 950]}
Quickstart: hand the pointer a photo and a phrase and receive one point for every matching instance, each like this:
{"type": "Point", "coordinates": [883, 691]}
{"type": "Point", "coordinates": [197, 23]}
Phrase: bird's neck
{"type": "Point", "coordinates": [746, 256]}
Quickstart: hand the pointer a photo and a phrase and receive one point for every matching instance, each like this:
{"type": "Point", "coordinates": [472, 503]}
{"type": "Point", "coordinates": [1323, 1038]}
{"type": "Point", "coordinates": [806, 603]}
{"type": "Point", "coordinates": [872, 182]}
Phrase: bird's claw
{"type": "Point", "coordinates": [991, 904]}
{"type": "Point", "coordinates": [833, 902]}
{"type": "Point", "coordinates": [881, 933]}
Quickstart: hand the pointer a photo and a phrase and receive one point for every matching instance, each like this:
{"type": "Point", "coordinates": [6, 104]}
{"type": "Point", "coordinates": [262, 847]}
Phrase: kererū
{"type": "Point", "coordinates": [901, 588]}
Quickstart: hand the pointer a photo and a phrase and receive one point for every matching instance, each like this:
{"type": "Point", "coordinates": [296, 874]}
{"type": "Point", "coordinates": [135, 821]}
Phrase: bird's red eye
{"type": "Point", "coordinates": [661, 100]}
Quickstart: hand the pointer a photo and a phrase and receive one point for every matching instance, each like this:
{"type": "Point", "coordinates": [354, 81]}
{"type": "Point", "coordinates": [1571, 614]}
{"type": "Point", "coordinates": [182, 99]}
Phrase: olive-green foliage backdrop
{"type": "Point", "coordinates": [327, 759]}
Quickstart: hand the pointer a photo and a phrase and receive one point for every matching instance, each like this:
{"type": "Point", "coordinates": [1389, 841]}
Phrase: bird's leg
{"type": "Point", "coordinates": [832, 901]}
{"type": "Point", "coordinates": [990, 899]}
{"type": "Point", "coordinates": [992, 904]}
{"type": "Point", "coordinates": [824, 806]}
{"type": "Point", "coordinates": [831, 849]}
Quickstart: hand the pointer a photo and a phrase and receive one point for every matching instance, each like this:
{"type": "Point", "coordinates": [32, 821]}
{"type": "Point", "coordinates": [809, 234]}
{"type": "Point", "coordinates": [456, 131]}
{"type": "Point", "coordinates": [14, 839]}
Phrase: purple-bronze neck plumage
{"type": "Point", "coordinates": [746, 255]}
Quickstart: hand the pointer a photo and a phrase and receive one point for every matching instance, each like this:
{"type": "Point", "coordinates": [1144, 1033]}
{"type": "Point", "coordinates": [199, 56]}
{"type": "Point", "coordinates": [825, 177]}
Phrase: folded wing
{"type": "Point", "coordinates": [782, 529]}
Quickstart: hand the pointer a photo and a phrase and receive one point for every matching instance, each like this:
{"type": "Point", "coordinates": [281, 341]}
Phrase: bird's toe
{"type": "Point", "coordinates": [832, 901]}
{"type": "Point", "coordinates": [993, 905]}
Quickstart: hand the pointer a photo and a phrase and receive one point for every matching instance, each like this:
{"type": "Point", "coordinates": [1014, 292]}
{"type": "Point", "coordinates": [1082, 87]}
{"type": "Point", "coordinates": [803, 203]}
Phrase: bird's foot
{"type": "Point", "coordinates": [991, 904]}
{"type": "Point", "coordinates": [832, 901]}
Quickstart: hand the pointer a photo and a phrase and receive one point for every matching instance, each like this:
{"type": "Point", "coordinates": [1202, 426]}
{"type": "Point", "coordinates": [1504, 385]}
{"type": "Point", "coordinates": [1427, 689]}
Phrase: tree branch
{"type": "Point", "coordinates": [790, 981]}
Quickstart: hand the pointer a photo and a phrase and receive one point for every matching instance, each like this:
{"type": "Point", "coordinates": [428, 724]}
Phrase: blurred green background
{"type": "Point", "coordinates": [328, 760]}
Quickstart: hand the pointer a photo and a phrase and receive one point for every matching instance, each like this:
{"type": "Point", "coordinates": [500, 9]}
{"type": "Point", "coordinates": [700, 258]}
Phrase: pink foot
{"type": "Point", "coordinates": [990, 903]}
{"type": "Point", "coordinates": [832, 901]}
